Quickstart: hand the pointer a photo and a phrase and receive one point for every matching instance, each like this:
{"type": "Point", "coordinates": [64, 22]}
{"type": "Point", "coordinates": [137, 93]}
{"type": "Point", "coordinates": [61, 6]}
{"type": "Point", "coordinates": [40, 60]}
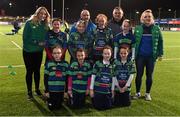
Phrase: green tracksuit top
{"type": "Point", "coordinates": [32, 35]}
{"type": "Point", "coordinates": [157, 40]}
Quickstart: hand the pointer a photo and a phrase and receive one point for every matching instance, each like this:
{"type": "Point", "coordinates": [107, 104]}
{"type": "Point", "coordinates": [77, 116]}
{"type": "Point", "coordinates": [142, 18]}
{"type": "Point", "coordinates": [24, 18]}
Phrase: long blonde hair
{"type": "Point", "coordinates": [143, 15]}
{"type": "Point", "coordinates": [35, 18]}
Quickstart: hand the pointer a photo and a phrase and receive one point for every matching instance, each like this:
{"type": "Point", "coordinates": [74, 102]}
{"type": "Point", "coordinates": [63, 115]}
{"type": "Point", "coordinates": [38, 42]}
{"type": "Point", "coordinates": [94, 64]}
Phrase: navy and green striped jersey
{"type": "Point", "coordinates": [57, 73]}
{"type": "Point", "coordinates": [53, 38]}
{"type": "Point", "coordinates": [123, 71]}
{"type": "Point", "coordinates": [80, 76]}
{"type": "Point", "coordinates": [77, 41]}
{"type": "Point", "coordinates": [102, 37]}
{"type": "Point", "coordinates": [103, 80]}
{"type": "Point", "coordinates": [121, 40]}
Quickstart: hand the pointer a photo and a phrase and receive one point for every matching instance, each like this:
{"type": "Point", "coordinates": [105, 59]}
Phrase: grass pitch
{"type": "Point", "coordinates": [13, 99]}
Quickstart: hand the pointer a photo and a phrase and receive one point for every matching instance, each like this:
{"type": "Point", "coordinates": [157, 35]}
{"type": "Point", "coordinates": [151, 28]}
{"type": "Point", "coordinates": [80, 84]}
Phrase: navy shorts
{"type": "Point", "coordinates": [78, 100]}
{"type": "Point", "coordinates": [122, 99]}
{"type": "Point", "coordinates": [102, 101]}
{"type": "Point", "coordinates": [55, 100]}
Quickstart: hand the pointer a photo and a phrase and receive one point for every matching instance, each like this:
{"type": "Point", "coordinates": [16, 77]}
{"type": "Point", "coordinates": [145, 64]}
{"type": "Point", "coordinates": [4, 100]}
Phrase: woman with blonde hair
{"type": "Point", "coordinates": [33, 44]}
{"type": "Point", "coordinates": [149, 47]}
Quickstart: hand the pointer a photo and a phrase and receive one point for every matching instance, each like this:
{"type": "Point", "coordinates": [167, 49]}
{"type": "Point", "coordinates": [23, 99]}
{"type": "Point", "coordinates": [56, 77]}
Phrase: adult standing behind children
{"type": "Point", "coordinates": [33, 45]}
{"type": "Point", "coordinates": [85, 16]}
{"type": "Point", "coordinates": [116, 22]}
{"type": "Point", "coordinates": [149, 47]}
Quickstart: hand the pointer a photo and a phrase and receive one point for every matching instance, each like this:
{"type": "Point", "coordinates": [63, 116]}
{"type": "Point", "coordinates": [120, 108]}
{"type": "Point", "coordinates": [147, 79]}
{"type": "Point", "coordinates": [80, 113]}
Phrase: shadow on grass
{"type": "Point", "coordinates": [66, 110]}
{"type": "Point", "coordinates": [41, 107]}
{"type": "Point", "coordinates": [63, 111]}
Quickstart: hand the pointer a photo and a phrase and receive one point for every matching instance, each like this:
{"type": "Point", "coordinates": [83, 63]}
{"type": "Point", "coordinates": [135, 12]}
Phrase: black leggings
{"type": "Point", "coordinates": [32, 62]}
{"type": "Point", "coordinates": [141, 63]}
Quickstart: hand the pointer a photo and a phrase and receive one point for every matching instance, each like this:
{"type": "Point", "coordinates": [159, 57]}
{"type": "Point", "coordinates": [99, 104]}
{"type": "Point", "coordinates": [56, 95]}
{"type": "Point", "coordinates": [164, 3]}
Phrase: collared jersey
{"type": "Point", "coordinates": [77, 41]}
{"type": "Point", "coordinates": [102, 37]}
{"type": "Point", "coordinates": [57, 73]}
{"type": "Point", "coordinates": [53, 38]}
{"type": "Point", "coordinates": [80, 75]}
{"type": "Point", "coordinates": [103, 79]}
{"type": "Point", "coordinates": [123, 71]}
{"type": "Point", "coordinates": [124, 40]}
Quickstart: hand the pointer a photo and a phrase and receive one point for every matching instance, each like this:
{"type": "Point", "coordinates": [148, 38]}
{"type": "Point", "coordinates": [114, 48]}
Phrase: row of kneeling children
{"type": "Point", "coordinates": [108, 82]}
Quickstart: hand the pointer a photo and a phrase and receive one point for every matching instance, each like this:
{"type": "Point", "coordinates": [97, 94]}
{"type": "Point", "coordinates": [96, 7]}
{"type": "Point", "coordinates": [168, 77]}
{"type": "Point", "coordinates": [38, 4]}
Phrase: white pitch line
{"type": "Point", "coordinates": [6, 66]}
{"type": "Point", "coordinates": [16, 45]}
{"type": "Point", "coordinates": [18, 66]}
{"type": "Point", "coordinates": [176, 46]}
{"type": "Point", "coordinates": [9, 48]}
{"type": "Point", "coordinates": [2, 33]}
{"type": "Point", "coordinates": [170, 59]}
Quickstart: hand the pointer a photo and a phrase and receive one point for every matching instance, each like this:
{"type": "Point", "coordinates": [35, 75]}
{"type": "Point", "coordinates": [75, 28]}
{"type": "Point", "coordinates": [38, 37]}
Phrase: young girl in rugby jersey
{"type": "Point", "coordinates": [102, 36]}
{"type": "Point", "coordinates": [80, 39]}
{"type": "Point", "coordinates": [54, 37]}
{"type": "Point", "coordinates": [56, 71]}
{"type": "Point", "coordinates": [79, 80]}
{"type": "Point", "coordinates": [101, 81]}
{"type": "Point", "coordinates": [124, 71]}
{"type": "Point", "coordinates": [125, 39]}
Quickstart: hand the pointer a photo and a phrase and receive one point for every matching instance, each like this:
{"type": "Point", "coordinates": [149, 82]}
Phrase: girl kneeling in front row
{"type": "Point", "coordinates": [101, 81]}
{"type": "Point", "coordinates": [124, 71]}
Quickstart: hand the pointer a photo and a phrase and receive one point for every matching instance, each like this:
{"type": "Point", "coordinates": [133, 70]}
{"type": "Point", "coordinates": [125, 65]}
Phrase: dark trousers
{"type": "Point", "coordinates": [141, 63]}
{"type": "Point", "coordinates": [78, 100]}
{"type": "Point", "coordinates": [102, 101]}
{"type": "Point", "coordinates": [55, 100]}
{"type": "Point", "coordinates": [122, 99]}
{"type": "Point", "coordinates": [33, 63]}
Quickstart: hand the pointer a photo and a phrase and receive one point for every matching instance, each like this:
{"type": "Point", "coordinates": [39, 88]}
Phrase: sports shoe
{"type": "Point", "coordinates": [38, 93]}
{"type": "Point", "coordinates": [137, 96]}
{"type": "Point", "coordinates": [148, 97]}
{"type": "Point", "coordinates": [30, 96]}
{"type": "Point", "coordinates": [50, 106]}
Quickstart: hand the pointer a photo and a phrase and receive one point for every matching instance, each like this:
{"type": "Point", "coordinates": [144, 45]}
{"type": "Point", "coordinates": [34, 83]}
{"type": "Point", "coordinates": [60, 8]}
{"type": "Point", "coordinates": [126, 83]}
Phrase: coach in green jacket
{"type": "Point", "coordinates": [149, 47]}
{"type": "Point", "coordinates": [33, 45]}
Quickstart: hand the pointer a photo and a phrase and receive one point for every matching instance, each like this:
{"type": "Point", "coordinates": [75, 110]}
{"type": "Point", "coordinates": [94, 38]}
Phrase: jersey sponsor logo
{"type": "Point", "coordinates": [100, 44]}
{"type": "Point", "coordinates": [104, 85]}
{"type": "Point", "coordinates": [105, 79]}
{"type": "Point", "coordinates": [58, 74]}
{"type": "Point", "coordinates": [79, 75]}
{"type": "Point", "coordinates": [80, 44]}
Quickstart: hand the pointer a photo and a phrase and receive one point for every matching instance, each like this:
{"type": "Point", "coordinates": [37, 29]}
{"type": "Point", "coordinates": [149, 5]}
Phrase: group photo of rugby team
{"type": "Point", "coordinates": [106, 54]}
